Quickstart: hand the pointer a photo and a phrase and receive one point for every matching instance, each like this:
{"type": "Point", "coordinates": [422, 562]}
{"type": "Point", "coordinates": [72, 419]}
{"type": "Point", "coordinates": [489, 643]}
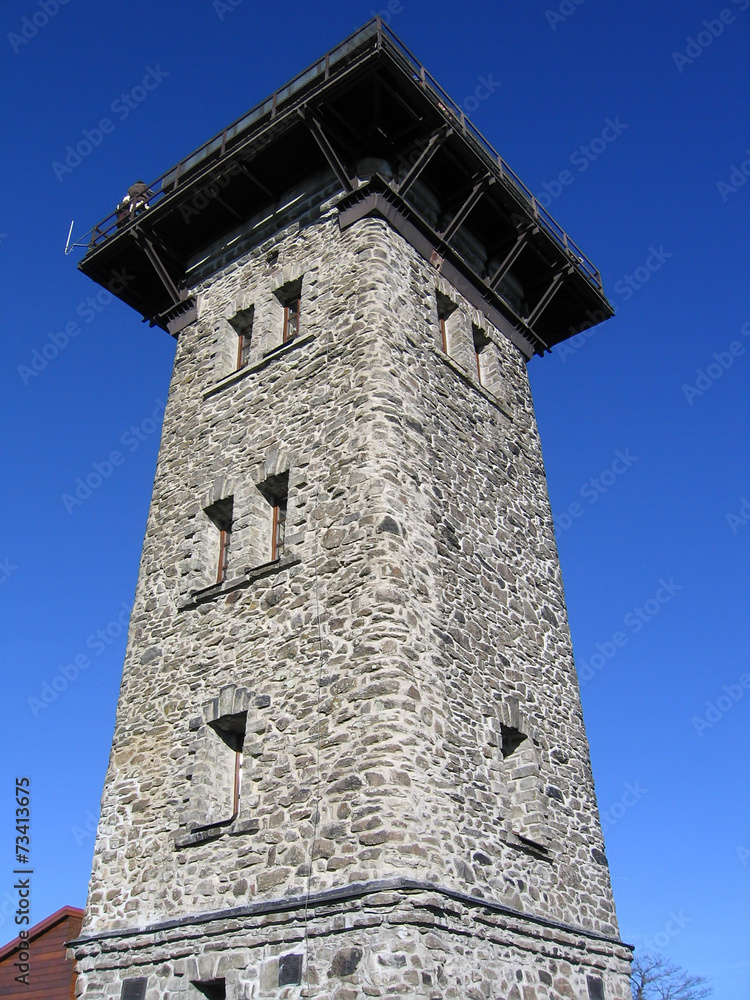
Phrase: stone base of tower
{"type": "Point", "coordinates": [391, 938]}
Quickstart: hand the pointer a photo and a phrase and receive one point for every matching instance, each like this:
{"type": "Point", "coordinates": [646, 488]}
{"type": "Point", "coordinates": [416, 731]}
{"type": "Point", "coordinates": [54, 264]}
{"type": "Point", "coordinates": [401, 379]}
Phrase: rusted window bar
{"type": "Point", "coordinates": [291, 321]}
{"type": "Point", "coordinates": [244, 341]}
{"type": "Point", "coordinates": [224, 535]}
{"type": "Point", "coordinates": [278, 528]}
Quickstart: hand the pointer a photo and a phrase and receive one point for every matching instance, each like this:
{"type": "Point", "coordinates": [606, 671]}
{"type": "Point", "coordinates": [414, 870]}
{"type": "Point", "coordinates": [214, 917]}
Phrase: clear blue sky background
{"type": "Point", "coordinates": [679, 846]}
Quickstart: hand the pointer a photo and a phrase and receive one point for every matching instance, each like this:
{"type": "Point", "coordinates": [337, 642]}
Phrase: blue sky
{"type": "Point", "coordinates": [644, 422]}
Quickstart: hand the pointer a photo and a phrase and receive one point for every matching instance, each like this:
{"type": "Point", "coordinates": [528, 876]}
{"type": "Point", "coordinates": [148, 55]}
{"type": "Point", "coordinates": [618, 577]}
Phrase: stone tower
{"type": "Point", "coordinates": [349, 758]}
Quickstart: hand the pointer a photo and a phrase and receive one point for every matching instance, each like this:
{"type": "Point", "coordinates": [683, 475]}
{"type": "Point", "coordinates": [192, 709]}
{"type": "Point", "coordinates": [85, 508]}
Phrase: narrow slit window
{"type": "Point", "coordinates": [291, 320]}
{"type": "Point", "coordinates": [224, 536]}
{"type": "Point", "coordinates": [223, 762]}
{"type": "Point", "coordinates": [443, 334]}
{"type": "Point", "coordinates": [525, 800]}
{"type": "Point", "coordinates": [242, 324]}
{"type": "Point", "coordinates": [445, 309]}
{"type": "Point", "coordinates": [244, 343]}
{"type": "Point", "coordinates": [220, 513]}
{"type": "Point", "coordinates": [289, 297]}
{"type": "Point", "coordinates": [279, 527]}
{"type": "Point", "coordinates": [276, 492]}
{"type": "Point", "coordinates": [480, 344]}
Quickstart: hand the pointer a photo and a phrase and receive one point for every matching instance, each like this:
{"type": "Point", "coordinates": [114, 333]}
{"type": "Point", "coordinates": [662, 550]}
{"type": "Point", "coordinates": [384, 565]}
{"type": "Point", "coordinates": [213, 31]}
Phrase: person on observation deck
{"type": "Point", "coordinates": [139, 195]}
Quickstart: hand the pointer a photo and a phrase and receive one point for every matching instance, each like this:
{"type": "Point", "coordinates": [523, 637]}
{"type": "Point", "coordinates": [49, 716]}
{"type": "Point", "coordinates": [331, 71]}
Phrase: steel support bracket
{"type": "Point", "coordinates": [146, 244]}
{"type": "Point", "coordinates": [318, 133]}
{"type": "Point", "coordinates": [434, 143]}
{"type": "Point", "coordinates": [552, 290]}
{"type": "Point", "coordinates": [477, 192]}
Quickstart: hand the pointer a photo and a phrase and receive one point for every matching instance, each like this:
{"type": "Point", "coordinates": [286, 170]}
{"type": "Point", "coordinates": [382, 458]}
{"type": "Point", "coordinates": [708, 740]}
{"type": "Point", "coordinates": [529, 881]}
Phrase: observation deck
{"type": "Point", "coordinates": [370, 116]}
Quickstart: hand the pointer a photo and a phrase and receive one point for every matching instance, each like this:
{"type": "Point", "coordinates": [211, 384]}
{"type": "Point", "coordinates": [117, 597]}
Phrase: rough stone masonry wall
{"type": "Point", "coordinates": [388, 943]}
{"type": "Point", "coordinates": [499, 631]}
{"type": "Point", "coordinates": [419, 582]}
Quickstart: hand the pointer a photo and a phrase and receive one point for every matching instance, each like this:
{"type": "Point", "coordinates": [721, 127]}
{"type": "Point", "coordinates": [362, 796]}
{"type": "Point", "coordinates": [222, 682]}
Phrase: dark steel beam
{"type": "Point", "coordinates": [427, 246]}
{"type": "Point", "coordinates": [308, 117]}
{"type": "Point", "coordinates": [511, 257]}
{"type": "Point", "coordinates": [164, 276]}
{"type": "Point", "coordinates": [552, 290]}
{"type": "Point", "coordinates": [465, 210]}
{"type": "Point", "coordinates": [435, 141]}
{"type": "Point", "coordinates": [254, 179]}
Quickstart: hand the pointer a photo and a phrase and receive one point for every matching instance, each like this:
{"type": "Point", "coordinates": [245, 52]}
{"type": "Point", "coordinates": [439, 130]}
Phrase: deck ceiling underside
{"type": "Point", "coordinates": [376, 109]}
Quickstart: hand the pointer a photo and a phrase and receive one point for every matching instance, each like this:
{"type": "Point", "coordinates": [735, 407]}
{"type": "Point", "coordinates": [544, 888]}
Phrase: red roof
{"type": "Point", "coordinates": [41, 927]}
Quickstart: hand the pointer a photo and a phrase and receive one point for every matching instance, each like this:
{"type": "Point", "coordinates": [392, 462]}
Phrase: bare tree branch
{"type": "Point", "coordinates": [655, 978]}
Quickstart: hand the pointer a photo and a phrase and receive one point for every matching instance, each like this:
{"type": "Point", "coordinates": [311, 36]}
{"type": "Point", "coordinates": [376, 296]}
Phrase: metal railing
{"type": "Point", "coordinates": [449, 107]}
{"type": "Point", "coordinates": [329, 65]}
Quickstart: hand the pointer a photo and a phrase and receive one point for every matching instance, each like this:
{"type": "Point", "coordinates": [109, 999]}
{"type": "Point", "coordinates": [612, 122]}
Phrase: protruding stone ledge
{"type": "Point", "coordinates": [201, 836]}
{"type": "Point", "coordinates": [251, 574]}
{"type": "Point", "coordinates": [351, 893]}
{"type": "Point", "coordinates": [268, 357]}
{"type": "Point", "coordinates": [474, 384]}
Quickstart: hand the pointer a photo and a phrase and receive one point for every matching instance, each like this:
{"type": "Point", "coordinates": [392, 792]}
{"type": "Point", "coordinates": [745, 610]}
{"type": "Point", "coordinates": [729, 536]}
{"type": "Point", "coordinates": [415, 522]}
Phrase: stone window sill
{"type": "Point", "coordinates": [470, 380]}
{"type": "Point", "coordinates": [256, 366]}
{"type": "Point", "coordinates": [251, 574]}
{"type": "Point", "coordinates": [236, 829]}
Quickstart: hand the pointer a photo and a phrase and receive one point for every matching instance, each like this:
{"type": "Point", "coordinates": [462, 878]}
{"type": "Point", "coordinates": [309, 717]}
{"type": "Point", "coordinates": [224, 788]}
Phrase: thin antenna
{"type": "Point", "coordinates": [69, 247]}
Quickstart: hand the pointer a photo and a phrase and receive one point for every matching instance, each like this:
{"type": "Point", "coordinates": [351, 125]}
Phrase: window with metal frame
{"type": "Point", "coordinates": [480, 344]}
{"type": "Point", "coordinates": [445, 309]}
{"type": "Point", "coordinates": [291, 320]}
{"type": "Point", "coordinates": [276, 491]}
{"type": "Point", "coordinates": [220, 513]}
{"type": "Point", "coordinates": [242, 324]}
